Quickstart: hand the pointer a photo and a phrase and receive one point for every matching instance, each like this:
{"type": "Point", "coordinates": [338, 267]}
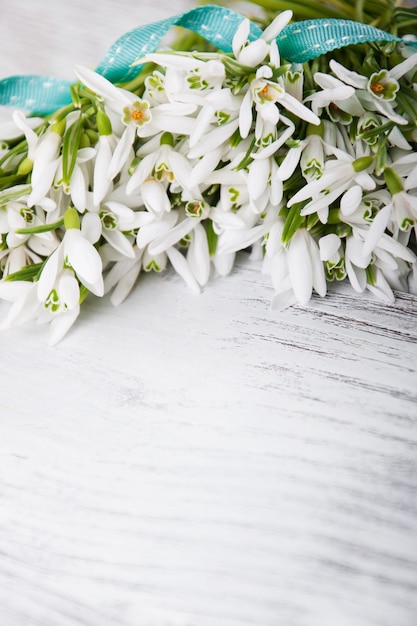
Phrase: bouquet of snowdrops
{"type": "Point", "coordinates": [310, 165]}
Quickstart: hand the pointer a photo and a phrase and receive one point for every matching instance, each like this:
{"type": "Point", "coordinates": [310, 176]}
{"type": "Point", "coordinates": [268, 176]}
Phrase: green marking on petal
{"type": "Point", "coordinates": [52, 301]}
{"type": "Point", "coordinates": [222, 117]}
{"type": "Point", "coordinates": [109, 220]}
{"type": "Point", "coordinates": [196, 209]}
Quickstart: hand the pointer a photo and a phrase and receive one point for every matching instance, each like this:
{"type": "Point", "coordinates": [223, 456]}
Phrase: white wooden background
{"type": "Point", "coordinates": [193, 460]}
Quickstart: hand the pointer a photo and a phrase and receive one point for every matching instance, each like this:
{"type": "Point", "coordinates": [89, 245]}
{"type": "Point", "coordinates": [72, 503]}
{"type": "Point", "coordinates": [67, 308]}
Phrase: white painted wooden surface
{"type": "Point", "coordinates": [199, 460]}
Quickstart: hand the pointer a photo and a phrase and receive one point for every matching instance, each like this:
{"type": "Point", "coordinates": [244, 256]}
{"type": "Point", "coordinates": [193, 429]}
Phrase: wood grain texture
{"type": "Point", "coordinates": [193, 460]}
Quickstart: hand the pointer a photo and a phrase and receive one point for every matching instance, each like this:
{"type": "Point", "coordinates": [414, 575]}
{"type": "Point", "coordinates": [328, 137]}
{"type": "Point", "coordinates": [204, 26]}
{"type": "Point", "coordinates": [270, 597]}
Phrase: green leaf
{"type": "Point", "coordinates": [211, 237]}
{"type": "Point", "coordinates": [293, 222]}
{"type": "Point", "coordinates": [70, 148]}
{"type": "Point", "coordinates": [28, 273]}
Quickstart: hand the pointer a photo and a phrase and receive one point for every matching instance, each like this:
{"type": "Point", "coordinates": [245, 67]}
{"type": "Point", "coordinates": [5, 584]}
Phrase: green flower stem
{"type": "Point", "coordinates": [44, 228]}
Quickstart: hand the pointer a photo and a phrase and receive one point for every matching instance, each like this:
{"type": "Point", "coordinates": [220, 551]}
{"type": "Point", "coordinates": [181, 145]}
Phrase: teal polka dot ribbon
{"type": "Point", "coordinates": [297, 42]}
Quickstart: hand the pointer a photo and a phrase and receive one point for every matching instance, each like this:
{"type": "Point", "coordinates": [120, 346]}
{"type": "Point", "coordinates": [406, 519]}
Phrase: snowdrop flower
{"type": "Point", "coordinates": [192, 76]}
{"type": "Point", "coordinates": [14, 259]}
{"type": "Point", "coordinates": [60, 308]}
{"type": "Point", "coordinates": [403, 203]}
{"type": "Point", "coordinates": [79, 182]}
{"type": "Point", "coordinates": [116, 219]}
{"type": "Point", "coordinates": [164, 164]}
{"type": "Point", "coordinates": [340, 175]}
{"type": "Point", "coordinates": [198, 255]}
{"type": "Point", "coordinates": [43, 152]}
{"type": "Point", "coordinates": [16, 219]}
{"type": "Point", "coordinates": [332, 253]}
{"type": "Point", "coordinates": [253, 53]}
{"type": "Point", "coordinates": [105, 148]}
{"type": "Point", "coordinates": [312, 160]}
{"type": "Point", "coordinates": [134, 112]}
{"type": "Point", "coordinates": [377, 92]}
{"type": "Point", "coordinates": [265, 94]}
{"type": "Point", "coordinates": [335, 96]}
{"type": "Point", "coordinates": [264, 184]}
{"type": "Point", "coordinates": [295, 269]}
{"type": "Point", "coordinates": [123, 273]}
{"type": "Point", "coordinates": [77, 252]}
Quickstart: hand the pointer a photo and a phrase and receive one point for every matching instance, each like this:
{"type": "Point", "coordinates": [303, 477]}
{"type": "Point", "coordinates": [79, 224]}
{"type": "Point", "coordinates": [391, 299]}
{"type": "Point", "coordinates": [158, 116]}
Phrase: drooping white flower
{"type": "Point", "coordinates": [295, 269]}
{"type": "Point", "coordinates": [378, 92]}
{"type": "Point", "coordinates": [77, 252]}
{"type": "Point", "coordinates": [43, 152]}
{"type": "Point", "coordinates": [134, 112]}
{"type": "Point", "coordinates": [339, 176]}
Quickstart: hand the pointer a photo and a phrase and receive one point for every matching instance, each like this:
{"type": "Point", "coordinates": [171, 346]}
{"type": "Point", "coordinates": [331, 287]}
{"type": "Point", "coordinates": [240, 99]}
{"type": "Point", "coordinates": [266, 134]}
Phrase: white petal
{"type": "Point", "coordinates": [61, 324]}
{"type": "Point", "coordinates": [198, 255]}
{"type": "Point", "coordinates": [24, 308]}
{"type": "Point", "coordinates": [173, 236]}
{"type": "Point", "coordinates": [78, 188]}
{"type": "Point", "coordinates": [100, 85]}
{"type": "Point", "coordinates": [206, 166]}
{"type": "Point", "coordinates": [224, 263]}
{"type": "Point", "coordinates": [13, 290]}
{"type": "Point", "coordinates": [348, 77]}
{"type": "Point", "coordinates": [258, 177]}
{"type": "Point", "coordinates": [214, 139]}
{"type": "Point", "coordinates": [154, 196]}
{"type": "Point", "coordinates": [85, 260]}
{"type": "Point", "coordinates": [254, 53]}
{"type": "Point", "coordinates": [356, 275]}
{"type": "Point", "coordinates": [376, 229]}
{"type": "Point", "coordinates": [298, 109]}
{"type": "Point", "coordinates": [120, 242]}
{"type": "Point", "coordinates": [142, 172]}
{"type": "Point", "coordinates": [299, 267]}
{"type": "Point", "coordinates": [277, 24]}
{"type": "Point", "coordinates": [395, 248]}
{"type": "Point", "coordinates": [91, 227]}
{"type": "Point", "coordinates": [289, 163]}
{"type": "Point", "coordinates": [20, 125]}
{"type": "Point", "coordinates": [283, 300]}
{"type": "Point", "coordinates": [181, 266]}
{"type": "Point", "coordinates": [101, 170]}
{"type": "Point", "coordinates": [69, 290]}
{"type": "Point", "coordinates": [47, 151]}
{"type": "Point", "coordinates": [122, 151]}
{"type": "Point", "coordinates": [351, 200]}
{"type": "Point", "coordinates": [125, 284]}
{"type": "Point", "coordinates": [49, 273]}
{"type": "Point", "coordinates": [156, 229]}
{"type": "Point", "coordinates": [356, 254]}
{"type": "Point", "coordinates": [402, 68]}
{"type": "Point", "coordinates": [329, 245]}
{"type": "Point", "coordinates": [381, 288]}
{"type": "Point", "coordinates": [240, 37]}
{"type": "Point", "coordinates": [319, 276]}
{"type": "Point", "coordinates": [245, 115]}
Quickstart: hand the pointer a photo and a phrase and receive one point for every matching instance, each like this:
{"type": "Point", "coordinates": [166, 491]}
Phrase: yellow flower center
{"type": "Point", "coordinates": [377, 88]}
{"type": "Point", "coordinates": [137, 115]}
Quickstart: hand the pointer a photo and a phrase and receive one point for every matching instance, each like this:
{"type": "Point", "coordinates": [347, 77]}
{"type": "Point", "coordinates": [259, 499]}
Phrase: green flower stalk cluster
{"type": "Point", "coordinates": [311, 168]}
